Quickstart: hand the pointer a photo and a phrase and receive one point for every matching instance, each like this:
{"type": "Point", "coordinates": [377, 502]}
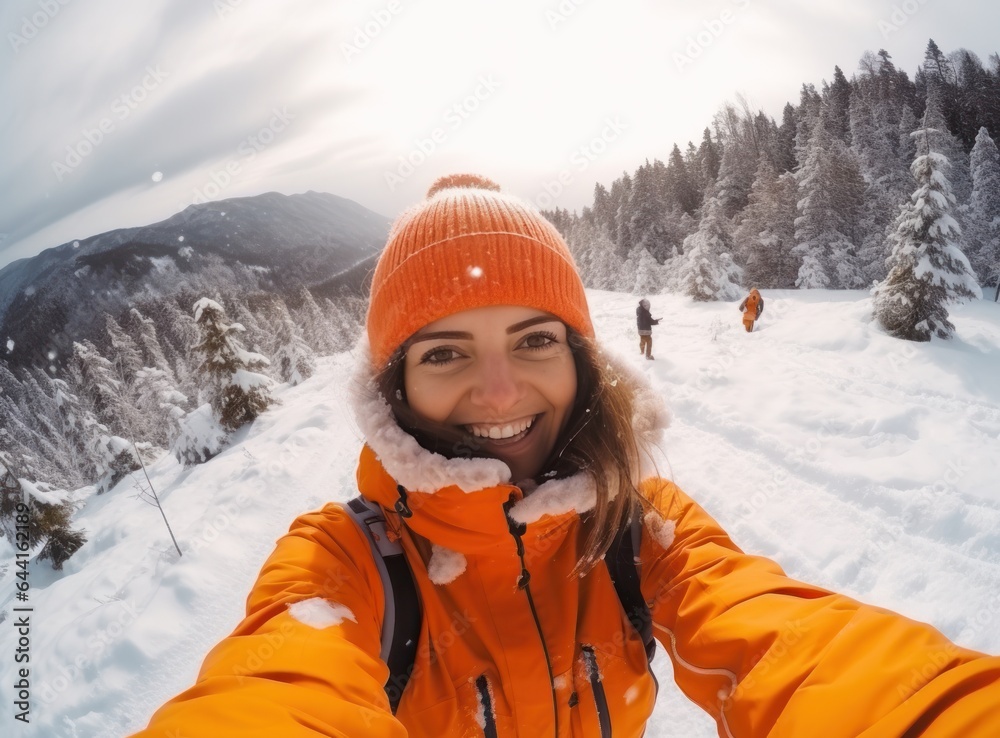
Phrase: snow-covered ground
{"type": "Point", "coordinates": [861, 463]}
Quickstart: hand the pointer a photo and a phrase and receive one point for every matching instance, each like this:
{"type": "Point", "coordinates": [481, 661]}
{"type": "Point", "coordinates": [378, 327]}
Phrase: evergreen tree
{"type": "Point", "coordinates": [710, 159]}
{"type": "Point", "coordinates": [312, 323]}
{"type": "Point", "coordinates": [152, 352]}
{"type": "Point", "coordinates": [236, 391]}
{"type": "Point", "coordinates": [293, 357]}
{"type": "Point", "coordinates": [159, 401]}
{"type": "Point", "coordinates": [784, 145]}
{"type": "Point", "coordinates": [94, 379]}
{"type": "Point", "coordinates": [649, 276]}
{"type": "Point", "coordinates": [831, 190]}
{"type": "Point", "coordinates": [765, 237]}
{"type": "Point", "coordinates": [927, 269]}
{"type": "Point", "coordinates": [681, 190]}
{"type": "Point", "coordinates": [126, 355]}
{"type": "Point", "coordinates": [49, 513]}
{"type": "Point", "coordinates": [110, 457]}
{"type": "Point", "coordinates": [837, 97]}
{"type": "Point", "coordinates": [200, 438]}
{"type": "Point", "coordinates": [645, 210]}
{"type": "Point", "coordinates": [983, 231]}
{"type": "Point", "coordinates": [708, 272]}
{"type": "Point", "coordinates": [945, 143]}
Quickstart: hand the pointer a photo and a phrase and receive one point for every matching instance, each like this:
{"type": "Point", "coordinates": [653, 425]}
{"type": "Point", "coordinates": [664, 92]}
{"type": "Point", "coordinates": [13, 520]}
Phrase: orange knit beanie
{"type": "Point", "coordinates": [469, 246]}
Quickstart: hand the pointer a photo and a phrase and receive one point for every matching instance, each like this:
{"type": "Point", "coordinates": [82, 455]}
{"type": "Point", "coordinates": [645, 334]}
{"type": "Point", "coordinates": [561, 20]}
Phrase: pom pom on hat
{"type": "Point", "coordinates": [469, 246]}
{"type": "Point", "coordinates": [470, 181]}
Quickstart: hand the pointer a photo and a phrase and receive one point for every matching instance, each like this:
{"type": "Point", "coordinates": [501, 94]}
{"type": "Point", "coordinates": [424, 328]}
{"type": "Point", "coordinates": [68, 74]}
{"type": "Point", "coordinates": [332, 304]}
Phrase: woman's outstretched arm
{"type": "Point", "coordinates": [305, 660]}
{"type": "Point", "coordinates": [769, 656]}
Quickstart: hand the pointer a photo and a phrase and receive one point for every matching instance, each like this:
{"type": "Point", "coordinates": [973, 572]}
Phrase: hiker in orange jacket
{"type": "Point", "coordinates": [752, 306]}
{"type": "Point", "coordinates": [507, 452]}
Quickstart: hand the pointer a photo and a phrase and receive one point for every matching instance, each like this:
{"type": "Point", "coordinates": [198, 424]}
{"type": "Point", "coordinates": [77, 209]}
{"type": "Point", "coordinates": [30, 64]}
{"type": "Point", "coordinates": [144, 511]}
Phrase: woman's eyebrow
{"type": "Point", "coordinates": [464, 336]}
{"type": "Point", "coordinates": [532, 321]}
{"type": "Point", "coordinates": [459, 335]}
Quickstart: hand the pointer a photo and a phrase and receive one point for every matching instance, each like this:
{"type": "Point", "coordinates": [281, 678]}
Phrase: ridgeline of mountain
{"type": "Point", "coordinates": [266, 243]}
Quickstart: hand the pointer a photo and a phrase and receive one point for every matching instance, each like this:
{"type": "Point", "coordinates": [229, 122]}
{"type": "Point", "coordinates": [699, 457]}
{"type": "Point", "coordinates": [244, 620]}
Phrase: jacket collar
{"type": "Point", "coordinates": [458, 503]}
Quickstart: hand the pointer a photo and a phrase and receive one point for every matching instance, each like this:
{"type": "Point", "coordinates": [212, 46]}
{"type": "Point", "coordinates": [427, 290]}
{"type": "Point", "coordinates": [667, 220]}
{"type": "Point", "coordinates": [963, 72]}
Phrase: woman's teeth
{"type": "Point", "coordinates": [501, 431]}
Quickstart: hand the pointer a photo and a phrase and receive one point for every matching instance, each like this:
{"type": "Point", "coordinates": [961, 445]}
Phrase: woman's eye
{"type": "Point", "coordinates": [439, 356]}
{"type": "Point", "coordinates": [540, 340]}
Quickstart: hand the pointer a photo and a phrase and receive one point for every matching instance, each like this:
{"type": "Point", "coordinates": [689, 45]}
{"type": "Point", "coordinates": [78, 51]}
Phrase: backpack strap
{"type": "Point", "coordinates": [402, 616]}
{"type": "Point", "coordinates": [623, 564]}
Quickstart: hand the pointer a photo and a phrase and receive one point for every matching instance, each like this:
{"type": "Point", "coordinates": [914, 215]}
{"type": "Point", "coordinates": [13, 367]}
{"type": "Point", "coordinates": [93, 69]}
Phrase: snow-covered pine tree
{"type": "Point", "coordinates": [49, 513]}
{"type": "Point", "coordinates": [983, 219]}
{"type": "Point", "coordinates": [765, 236]}
{"type": "Point", "coordinates": [927, 269]}
{"type": "Point", "coordinates": [126, 356]}
{"type": "Point", "coordinates": [709, 160]}
{"type": "Point", "coordinates": [293, 358]}
{"type": "Point", "coordinates": [681, 190]}
{"type": "Point", "coordinates": [94, 379]}
{"type": "Point", "coordinates": [144, 329]}
{"type": "Point", "coordinates": [708, 272]}
{"type": "Point", "coordinates": [888, 182]}
{"type": "Point", "coordinates": [346, 317]}
{"type": "Point", "coordinates": [200, 437]}
{"type": "Point", "coordinates": [126, 359]}
{"type": "Point", "coordinates": [312, 323]}
{"type": "Point", "coordinates": [646, 208]}
{"type": "Point", "coordinates": [649, 276]}
{"type": "Point", "coordinates": [595, 254]}
{"type": "Point", "coordinates": [237, 392]}
{"type": "Point", "coordinates": [831, 192]}
{"type": "Point", "coordinates": [159, 401]}
{"type": "Point", "coordinates": [111, 457]}
{"type": "Point", "coordinates": [947, 144]}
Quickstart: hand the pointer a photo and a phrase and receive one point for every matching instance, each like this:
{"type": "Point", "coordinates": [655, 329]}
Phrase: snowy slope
{"type": "Point", "coordinates": [858, 462]}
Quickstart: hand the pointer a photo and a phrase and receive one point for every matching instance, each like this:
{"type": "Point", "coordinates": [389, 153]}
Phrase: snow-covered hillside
{"type": "Point", "coordinates": [858, 462]}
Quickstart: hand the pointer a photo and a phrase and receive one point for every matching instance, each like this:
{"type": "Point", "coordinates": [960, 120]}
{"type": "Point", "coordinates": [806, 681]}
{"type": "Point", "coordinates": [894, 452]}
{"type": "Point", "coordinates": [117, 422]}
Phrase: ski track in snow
{"type": "Point", "coordinates": [859, 463]}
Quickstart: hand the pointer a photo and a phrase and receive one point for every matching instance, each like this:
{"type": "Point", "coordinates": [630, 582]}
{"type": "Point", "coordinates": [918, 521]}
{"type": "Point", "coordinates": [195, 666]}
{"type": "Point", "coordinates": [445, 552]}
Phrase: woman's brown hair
{"type": "Point", "coordinates": [598, 440]}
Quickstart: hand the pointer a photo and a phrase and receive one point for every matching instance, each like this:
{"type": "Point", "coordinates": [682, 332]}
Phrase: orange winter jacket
{"type": "Point", "coordinates": [551, 654]}
{"type": "Point", "coordinates": [752, 306]}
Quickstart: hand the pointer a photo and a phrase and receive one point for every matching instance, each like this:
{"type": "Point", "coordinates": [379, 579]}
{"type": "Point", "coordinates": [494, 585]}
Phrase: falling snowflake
{"type": "Point", "coordinates": [10, 345]}
{"type": "Point", "coordinates": [180, 238]}
{"type": "Point", "coordinates": [76, 244]}
{"type": "Point", "coordinates": [476, 271]}
{"type": "Point", "coordinates": [157, 176]}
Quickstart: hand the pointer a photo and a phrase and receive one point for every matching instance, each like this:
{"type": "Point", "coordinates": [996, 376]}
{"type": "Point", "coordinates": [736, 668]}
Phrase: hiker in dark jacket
{"type": "Point", "coordinates": [645, 322]}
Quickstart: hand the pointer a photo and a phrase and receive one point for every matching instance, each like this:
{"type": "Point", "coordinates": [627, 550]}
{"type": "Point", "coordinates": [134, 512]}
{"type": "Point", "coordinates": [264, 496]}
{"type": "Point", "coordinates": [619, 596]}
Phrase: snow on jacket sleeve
{"type": "Point", "coordinates": [305, 661]}
{"type": "Point", "coordinates": [769, 656]}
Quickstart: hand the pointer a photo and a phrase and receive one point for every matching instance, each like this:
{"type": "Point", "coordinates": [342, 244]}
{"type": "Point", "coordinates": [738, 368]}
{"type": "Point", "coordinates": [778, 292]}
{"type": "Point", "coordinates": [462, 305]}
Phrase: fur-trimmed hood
{"type": "Point", "coordinates": [455, 501]}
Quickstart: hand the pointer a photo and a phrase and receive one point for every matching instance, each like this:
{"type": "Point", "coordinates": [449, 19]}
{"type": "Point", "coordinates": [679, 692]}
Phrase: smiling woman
{"type": "Point", "coordinates": [502, 374]}
{"type": "Point", "coordinates": [512, 541]}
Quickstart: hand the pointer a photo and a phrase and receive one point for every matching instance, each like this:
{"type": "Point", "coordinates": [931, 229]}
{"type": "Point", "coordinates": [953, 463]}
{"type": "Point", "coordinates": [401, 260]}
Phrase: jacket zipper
{"type": "Point", "coordinates": [517, 530]}
{"type": "Point", "coordinates": [489, 718]}
{"type": "Point", "coordinates": [597, 687]}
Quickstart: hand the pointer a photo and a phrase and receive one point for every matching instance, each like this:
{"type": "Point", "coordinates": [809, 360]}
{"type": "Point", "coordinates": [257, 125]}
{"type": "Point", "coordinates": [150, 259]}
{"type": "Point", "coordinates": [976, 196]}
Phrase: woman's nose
{"type": "Point", "coordinates": [496, 387]}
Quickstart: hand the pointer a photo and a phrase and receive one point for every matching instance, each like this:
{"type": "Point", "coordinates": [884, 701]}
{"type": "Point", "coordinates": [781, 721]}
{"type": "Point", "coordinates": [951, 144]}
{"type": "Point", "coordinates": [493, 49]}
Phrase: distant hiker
{"type": "Point", "coordinates": [512, 557]}
{"type": "Point", "coordinates": [752, 306]}
{"type": "Point", "coordinates": [645, 322]}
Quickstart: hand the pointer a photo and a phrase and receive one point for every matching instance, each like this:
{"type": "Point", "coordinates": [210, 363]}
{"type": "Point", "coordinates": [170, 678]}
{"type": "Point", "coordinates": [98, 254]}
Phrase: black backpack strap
{"type": "Point", "coordinates": [402, 617]}
{"type": "Point", "coordinates": [623, 564]}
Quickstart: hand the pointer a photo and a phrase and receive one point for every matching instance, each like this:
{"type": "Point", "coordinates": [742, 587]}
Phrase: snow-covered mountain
{"type": "Point", "coordinates": [272, 241]}
{"type": "Point", "coordinates": [859, 462]}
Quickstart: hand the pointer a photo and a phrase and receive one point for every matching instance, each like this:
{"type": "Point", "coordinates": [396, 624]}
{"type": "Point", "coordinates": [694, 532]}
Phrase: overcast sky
{"type": "Point", "coordinates": [119, 113]}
